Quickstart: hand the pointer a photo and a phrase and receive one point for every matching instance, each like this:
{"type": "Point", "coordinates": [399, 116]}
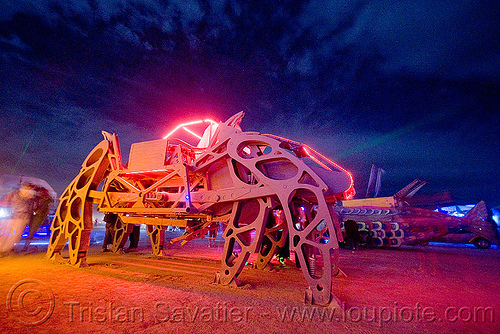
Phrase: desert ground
{"type": "Point", "coordinates": [441, 288]}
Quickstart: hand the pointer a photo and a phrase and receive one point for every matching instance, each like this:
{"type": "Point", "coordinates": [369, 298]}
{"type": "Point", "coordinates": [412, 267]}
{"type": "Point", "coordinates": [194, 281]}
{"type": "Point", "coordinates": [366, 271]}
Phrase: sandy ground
{"type": "Point", "coordinates": [434, 289]}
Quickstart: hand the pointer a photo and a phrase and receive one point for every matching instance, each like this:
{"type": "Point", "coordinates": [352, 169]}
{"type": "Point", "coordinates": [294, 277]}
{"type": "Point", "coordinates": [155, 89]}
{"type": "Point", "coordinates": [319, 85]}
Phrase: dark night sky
{"type": "Point", "coordinates": [411, 86]}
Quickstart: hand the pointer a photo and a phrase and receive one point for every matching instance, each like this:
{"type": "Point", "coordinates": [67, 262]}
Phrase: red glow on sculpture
{"type": "Point", "coordinates": [185, 125]}
{"type": "Point", "coordinates": [317, 157]}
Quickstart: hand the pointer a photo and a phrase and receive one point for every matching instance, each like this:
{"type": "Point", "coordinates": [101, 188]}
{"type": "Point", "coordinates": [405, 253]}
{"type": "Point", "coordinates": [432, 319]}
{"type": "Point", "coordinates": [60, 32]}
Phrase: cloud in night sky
{"type": "Point", "coordinates": [410, 86]}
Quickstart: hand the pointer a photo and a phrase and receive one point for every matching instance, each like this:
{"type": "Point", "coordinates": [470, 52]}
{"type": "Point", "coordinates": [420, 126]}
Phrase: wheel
{"type": "Point", "coordinates": [481, 243]}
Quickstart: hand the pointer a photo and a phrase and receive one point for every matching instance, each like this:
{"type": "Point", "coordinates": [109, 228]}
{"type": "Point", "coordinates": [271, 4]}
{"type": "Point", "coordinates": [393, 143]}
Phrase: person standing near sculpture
{"type": "Point", "coordinates": [212, 234]}
{"type": "Point", "coordinates": [134, 237]}
{"type": "Point", "coordinates": [351, 234]}
{"type": "Point", "coordinates": [110, 220]}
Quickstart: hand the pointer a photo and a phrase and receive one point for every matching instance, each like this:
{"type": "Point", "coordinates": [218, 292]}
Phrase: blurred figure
{"type": "Point", "coordinates": [21, 205]}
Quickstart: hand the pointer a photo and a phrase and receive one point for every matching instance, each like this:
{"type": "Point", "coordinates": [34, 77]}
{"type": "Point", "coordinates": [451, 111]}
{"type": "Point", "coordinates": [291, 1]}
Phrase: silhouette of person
{"type": "Point", "coordinates": [110, 219]}
{"type": "Point", "coordinates": [212, 234]}
{"type": "Point", "coordinates": [351, 234]}
{"type": "Point", "coordinates": [134, 237]}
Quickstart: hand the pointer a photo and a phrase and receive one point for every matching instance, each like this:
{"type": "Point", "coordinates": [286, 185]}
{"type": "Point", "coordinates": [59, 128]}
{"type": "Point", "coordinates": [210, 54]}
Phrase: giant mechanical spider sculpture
{"type": "Point", "coordinates": [264, 189]}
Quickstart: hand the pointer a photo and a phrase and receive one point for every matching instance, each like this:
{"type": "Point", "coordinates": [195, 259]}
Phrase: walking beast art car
{"type": "Point", "coordinates": [264, 188]}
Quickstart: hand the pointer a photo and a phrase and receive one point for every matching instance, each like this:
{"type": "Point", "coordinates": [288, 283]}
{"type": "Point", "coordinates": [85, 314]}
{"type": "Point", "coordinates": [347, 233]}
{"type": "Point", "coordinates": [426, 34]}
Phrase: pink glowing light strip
{"type": "Point", "coordinates": [184, 127]}
{"type": "Point", "coordinates": [143, 172]}
{"type": "Point", "coordinates": [314, 158]}
{"type": "Point", "coordinates": [191, 132]}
